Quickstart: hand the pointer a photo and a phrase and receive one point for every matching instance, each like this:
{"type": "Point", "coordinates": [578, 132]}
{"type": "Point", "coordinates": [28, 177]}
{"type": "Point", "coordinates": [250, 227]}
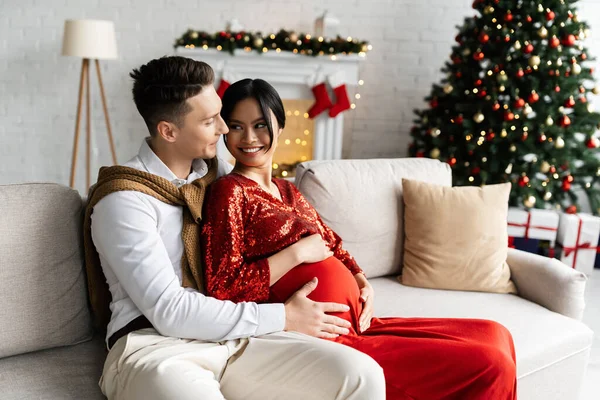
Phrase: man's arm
{"type": "Point", "coordinates": [124, 231]}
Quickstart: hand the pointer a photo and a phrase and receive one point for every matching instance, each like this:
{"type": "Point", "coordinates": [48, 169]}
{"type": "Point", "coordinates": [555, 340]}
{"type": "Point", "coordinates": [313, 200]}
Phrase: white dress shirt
{"type": "Point", "coordinates": [138, 238]}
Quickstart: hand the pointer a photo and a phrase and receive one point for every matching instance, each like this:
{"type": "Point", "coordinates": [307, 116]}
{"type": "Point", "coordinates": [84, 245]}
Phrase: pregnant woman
{"type": "Point", "coordinates": [262, 241]}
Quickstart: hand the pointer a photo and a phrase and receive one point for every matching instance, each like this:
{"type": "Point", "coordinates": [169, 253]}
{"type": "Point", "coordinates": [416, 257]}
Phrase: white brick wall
{"type": "Point", "coordinates": [38, 87]}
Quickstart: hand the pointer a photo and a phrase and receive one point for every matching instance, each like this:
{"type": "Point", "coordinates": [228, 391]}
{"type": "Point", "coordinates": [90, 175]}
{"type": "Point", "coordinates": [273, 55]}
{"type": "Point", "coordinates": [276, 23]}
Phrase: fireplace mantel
{"type": "Point", "coordinates": [289, 74]}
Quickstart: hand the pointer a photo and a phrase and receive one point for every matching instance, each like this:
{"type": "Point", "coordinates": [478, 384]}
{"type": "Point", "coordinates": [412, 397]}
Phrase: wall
{"type": "Point", "coordinates": [38, 87]}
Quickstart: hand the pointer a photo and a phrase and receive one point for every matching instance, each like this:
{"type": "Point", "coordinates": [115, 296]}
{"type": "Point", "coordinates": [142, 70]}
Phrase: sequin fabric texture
{"type": "Point", "coordinates": [244, 225]}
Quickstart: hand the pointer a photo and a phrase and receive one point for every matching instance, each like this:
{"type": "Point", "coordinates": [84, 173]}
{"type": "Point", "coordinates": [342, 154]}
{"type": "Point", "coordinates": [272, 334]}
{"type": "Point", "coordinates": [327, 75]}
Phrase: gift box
{"type": "Point", "coordinates": [549, 249]}
{"type": "Point", "coordinates": [533, 224]}
{"type": "Point", "coordinates": [578, 236]}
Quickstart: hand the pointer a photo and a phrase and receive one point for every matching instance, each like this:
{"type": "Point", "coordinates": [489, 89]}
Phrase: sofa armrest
{"type": "Point", "coordinates": [548, 282]}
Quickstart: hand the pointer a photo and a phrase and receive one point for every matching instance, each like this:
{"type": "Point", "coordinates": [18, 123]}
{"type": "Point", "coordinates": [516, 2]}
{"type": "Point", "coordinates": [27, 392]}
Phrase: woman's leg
{"type": "Point", "coordinates": [293, 366]}
{"type": "Point", "coordinates": [442, 358]}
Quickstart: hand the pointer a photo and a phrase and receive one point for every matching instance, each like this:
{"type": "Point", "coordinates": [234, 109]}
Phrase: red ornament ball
{"type": "Point", "coordinates": [569, 40]}
{"type": "Point", "coordinates": [434, 103]}
{"type": "Point", "coordinates": [583, 56]}
{"type": "Point", "coordinates": [554, 42]}
{"type": "Point", "coordinates": [582, 99]}
{"type": "Point", "coordinates": [520, 73]}
{"type": "Point", "coordinates": [482, 93]}
{"type": "Point", "coordinates": [490, 136]}
{"type": "Point", "coordinates": [459, 119]}
{"type": "Point", "coordinates": [478, 82]}
{"type": "Point", "coordinates": [592, 143]}
{"type": "Point", "coordinates": [519, 103]}
{"type": "Point", "coordinates": [484, 38]}
{"type": "Point", "coordinates": [557, 89]}
{"type": "Point", "coordinates": [420, 153]}
{"type": "Point", "coordinates": [528, 49]}
{"type": "Point", "coordinates": [478, 56]}
{"type": "Point", "coordinates": [566, 186]}
{"type": "Point", "coordinates": [523, 181]}
{"type": "Point", "coordinates": [452, 161]}
{"type": "Point", "coordinates": [476, 170]}
{"type": "Point", "coordinates": [508, 116]}
{"type": "Point", "coordinates": [529, 19]}
{"type": "Point", "coordinates": [458, 74]}
{"type": "Point", "coordinates": [496, 106]}
{"type": "Point", "coordinates": [508, 17]}
{"type": "Point", "coordinates": [534, 97]}
{"type": "Point", "coordinates": [550, 15]}
{"type": "Point", "coordinates": [571, 209]}
{"type": "Point", "coordinates": [564, 121]}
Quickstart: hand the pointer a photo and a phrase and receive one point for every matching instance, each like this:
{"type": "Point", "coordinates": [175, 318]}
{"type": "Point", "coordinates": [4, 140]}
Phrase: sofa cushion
{"type": "Point", "coordinates": [44, 298]}
{"type": "Point", "coordinates": [63, 373]}
{"type": "Point", "coordinates": [361, 200]}
{"type": "Point", "coordinates": [439, 220]}
{"type": "Point", "coordinates": [542, 337]}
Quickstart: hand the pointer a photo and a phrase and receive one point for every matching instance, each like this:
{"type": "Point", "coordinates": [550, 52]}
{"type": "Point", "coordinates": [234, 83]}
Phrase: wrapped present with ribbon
{"type": "Point", "coordinates": [528, 228]}
{"type": "Point", "coordinates": [578, 236]}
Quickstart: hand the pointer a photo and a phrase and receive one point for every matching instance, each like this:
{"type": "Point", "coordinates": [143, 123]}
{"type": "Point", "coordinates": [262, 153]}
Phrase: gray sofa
{"type": "Point", "coordinates": [48, 349]}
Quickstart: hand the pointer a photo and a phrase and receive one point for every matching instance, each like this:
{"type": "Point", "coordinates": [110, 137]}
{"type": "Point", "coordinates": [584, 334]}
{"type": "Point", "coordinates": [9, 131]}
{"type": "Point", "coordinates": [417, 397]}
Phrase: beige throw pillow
{"type": "Point", "coordinates": [456, 237]}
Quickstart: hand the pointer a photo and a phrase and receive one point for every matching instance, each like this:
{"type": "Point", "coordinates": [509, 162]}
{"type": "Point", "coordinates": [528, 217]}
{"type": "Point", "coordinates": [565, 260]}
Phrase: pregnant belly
{"type": "Point", "coordinates": [336, 284]}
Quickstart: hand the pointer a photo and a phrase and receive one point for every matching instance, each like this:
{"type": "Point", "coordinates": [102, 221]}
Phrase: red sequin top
{"type": "Point", "coordinates": [244, 225]}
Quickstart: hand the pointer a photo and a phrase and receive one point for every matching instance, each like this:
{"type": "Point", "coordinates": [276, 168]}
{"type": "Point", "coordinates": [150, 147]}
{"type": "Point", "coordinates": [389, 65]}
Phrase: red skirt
{"type": "Point", "coordinates": [422, 358]}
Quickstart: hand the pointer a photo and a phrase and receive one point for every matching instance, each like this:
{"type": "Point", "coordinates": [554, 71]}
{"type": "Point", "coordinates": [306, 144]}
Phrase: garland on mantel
{"type": "Point", "coordinates": [297, 43]}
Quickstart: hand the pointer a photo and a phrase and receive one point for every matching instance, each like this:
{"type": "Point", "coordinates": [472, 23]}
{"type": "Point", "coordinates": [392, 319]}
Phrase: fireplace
{"type": "Point", "coordinates": [303, 138]}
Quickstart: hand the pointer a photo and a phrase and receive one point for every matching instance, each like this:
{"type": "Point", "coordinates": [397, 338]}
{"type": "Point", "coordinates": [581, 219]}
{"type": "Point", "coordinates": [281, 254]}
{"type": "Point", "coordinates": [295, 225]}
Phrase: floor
{"type": "Point", "coordinates": [591, 386]}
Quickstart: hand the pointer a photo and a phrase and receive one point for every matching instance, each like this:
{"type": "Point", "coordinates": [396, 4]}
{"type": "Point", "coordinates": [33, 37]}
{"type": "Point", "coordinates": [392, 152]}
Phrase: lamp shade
{"type": "Point", "coordinates": [88, 38]}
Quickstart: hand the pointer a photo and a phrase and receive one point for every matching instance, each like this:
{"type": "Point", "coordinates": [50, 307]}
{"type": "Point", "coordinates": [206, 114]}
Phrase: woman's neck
{"type": "Point", "coordinates": [260, 175]}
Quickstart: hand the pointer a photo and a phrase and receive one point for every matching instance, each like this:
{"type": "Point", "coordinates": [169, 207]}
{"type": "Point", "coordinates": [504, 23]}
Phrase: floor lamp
{"type": "Point", "coordinates": [90, 40]}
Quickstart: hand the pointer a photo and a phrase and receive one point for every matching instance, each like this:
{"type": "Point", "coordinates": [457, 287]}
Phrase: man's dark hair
{"type": "Point", "coordinates": [260, 90]}
{"type": "Point", "coordinates": [162, 86]}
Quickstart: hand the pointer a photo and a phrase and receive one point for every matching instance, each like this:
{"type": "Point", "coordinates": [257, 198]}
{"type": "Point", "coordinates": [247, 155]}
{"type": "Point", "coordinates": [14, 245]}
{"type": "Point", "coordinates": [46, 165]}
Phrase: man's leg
{"type": "Point", "coordinates": [294, 366]}
{"type": "Point", "coordinates": [145, 365]}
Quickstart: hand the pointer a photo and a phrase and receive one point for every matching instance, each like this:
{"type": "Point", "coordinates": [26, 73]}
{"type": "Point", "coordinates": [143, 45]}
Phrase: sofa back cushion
{"type": "Point", "coordinates": [361, 200]}
{"type": "Point", "coordinates": [43, 297]}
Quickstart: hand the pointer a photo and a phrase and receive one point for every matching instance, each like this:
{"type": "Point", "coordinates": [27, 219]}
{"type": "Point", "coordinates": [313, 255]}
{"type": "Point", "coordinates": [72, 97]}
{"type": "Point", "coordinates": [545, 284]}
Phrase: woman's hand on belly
{"type": "Point", "coordinates": [312, 249]}
{"type": "Point", "coordinates": [366, 296]}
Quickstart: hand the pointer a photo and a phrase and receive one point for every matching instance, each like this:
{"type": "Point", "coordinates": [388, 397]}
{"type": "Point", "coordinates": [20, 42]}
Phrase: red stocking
{"type": "Point", "coordinates": [322, 101]}
{"type": "Point", "coordinates": [341, 95]}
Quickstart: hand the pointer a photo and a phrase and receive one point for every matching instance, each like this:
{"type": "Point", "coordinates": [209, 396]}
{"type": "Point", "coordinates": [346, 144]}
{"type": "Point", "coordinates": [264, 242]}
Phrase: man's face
{"type": "Point", "coordinates": [202, 127]}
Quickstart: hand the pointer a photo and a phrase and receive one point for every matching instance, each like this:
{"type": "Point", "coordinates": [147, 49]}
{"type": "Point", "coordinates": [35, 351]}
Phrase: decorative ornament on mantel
{"type": "Point", "coordinates": [282, 41]}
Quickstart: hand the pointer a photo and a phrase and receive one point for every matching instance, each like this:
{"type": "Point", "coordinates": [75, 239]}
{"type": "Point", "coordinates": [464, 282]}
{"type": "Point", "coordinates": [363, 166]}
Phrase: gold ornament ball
{"type": "Point", "coordinates": [293, 36]}
{"type": "Point", "coordinates": [591, 108]}
{"type": "Point", "coordinates": [488, 10]}
{"type": "Point", "coordinates": [434, 153]}
{"type": "Point", "coordinates": [502, 78]}
{"type": "Point", "coordinates": [258, 42]}
{"type": "Point", "coordinates": [478, 118]}
{"type": "Point", "coordinates": [509, 168]}
{"type": "Point", "coordinates": [448, 89]}
{"type": "Point", "coordinates": [545, 167]}
{"type": "Point", "coordinates": [576, 69]}
{"type": "Point", "coordinates": [547, 196]}
{"type": "Point", "coordinates": [518, 45]}
{"type": "Point", "coordinates": [513, 148]}
{"type": "Point", "coordinates": [502, 88]}
{"type": "Point", "coordinates": [534, 61]}
{"type": "Point", "coordinates": [466, 52]}
{"type": "Point", "coordinates": [503, 133]}
{"type": "Point", "coordinates": [596, 90]}
{"type": "Point", "coordinates": [543, 32]}
{"type": "Point", "coordinates": [559, 143]}
{"type": "Point", "coordinates": [365, 48]}
{"type": "Point", "coordinates": [194, 35]}
{"type": "Point", "coordinates": [529, 201]}
{"type": "Point", "coordinates": [527, 110]}
{"type": "Point", "coordinates": [435, 132]}
{"type": "Point", "coordinates": [559, 62]}
{"type": "Point", "coordinates": [561, 109]}
{"type": "Point", "coordinates": [549, 121]}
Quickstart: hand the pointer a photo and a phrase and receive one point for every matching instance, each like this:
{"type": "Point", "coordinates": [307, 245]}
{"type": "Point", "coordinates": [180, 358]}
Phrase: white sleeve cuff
{"type": "Point", "coordinates": [271, 318]}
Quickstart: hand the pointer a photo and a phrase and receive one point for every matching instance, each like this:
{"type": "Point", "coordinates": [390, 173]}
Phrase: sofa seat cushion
{"type": "Point", "coordinates": [63, 373]}
{"type": "Point", "coordinates": [542, 337]}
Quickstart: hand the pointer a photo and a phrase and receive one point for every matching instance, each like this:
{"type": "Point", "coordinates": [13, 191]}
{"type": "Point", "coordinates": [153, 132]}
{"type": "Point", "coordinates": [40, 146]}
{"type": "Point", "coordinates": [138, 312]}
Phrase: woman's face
{"type": "Point", "coordinates": [248, 138]}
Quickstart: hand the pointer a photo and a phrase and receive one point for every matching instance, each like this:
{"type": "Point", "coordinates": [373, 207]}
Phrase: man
{"type": "Point", "coordinates": [168, 341]}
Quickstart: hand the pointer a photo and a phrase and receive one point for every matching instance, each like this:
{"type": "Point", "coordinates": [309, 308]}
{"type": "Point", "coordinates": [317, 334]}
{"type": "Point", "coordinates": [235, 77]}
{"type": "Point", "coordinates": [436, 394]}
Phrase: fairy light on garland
{"type": "Point", "coordinates": [283, 41]}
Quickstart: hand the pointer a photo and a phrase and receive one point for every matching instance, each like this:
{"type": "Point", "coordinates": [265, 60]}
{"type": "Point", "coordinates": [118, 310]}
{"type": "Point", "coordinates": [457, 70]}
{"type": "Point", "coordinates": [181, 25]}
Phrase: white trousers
{"type": "Point", "coordinates": [285, 365]}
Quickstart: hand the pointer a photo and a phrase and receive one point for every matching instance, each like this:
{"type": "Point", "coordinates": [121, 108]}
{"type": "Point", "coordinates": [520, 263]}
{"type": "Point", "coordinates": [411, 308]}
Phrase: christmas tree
{"type": "Point", "coordinates": [514, 105]}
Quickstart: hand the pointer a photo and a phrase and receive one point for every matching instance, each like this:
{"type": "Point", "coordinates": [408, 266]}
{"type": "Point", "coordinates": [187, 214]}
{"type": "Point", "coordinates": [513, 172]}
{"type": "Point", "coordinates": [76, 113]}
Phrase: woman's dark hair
{"type": "Point", "coordinates": [162, 86]}
{"type": "Point", "coordinates": [267, 97]}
